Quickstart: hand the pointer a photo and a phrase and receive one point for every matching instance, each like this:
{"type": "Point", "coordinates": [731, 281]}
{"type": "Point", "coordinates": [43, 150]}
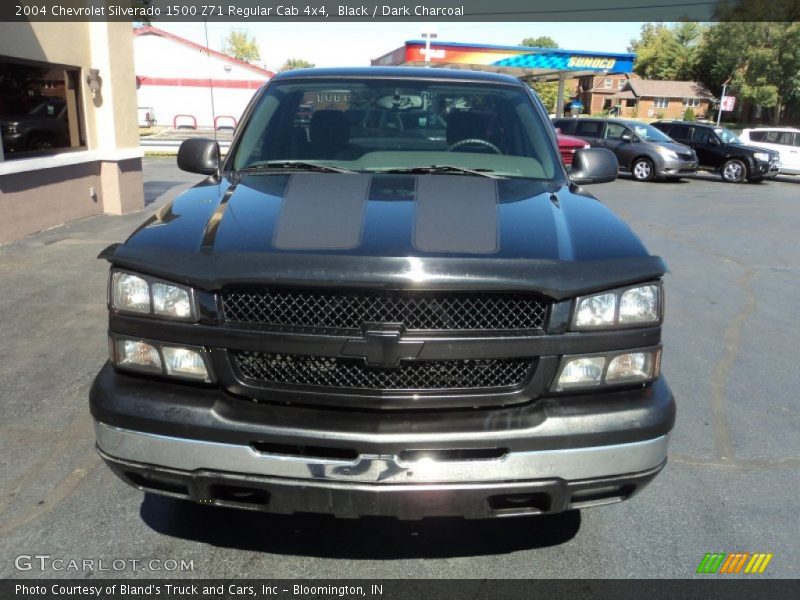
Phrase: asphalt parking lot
{"type": "Point", "coordinates": [730, 356]}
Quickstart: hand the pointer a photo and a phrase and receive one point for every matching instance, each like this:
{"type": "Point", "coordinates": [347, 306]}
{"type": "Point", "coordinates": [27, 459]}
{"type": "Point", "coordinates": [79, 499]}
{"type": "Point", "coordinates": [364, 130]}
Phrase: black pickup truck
{"type": "Point", "coordinates": [386, 325]}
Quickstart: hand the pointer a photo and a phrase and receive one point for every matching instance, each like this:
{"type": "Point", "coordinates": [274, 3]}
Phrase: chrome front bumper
{"type": "Point", "coordinates": [571, 464]}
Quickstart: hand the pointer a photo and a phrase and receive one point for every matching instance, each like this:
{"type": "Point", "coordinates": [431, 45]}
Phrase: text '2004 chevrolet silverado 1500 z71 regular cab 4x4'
{"type": "Point", "coordinates": [366, 322]}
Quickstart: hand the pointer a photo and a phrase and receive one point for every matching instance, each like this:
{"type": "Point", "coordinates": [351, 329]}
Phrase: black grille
{"type": "Point", "coordinates": [330, 311]}
{"type": "Point", "coordinates": [330, 372]}
{"type": "Point", "coordinates": [685, 156]}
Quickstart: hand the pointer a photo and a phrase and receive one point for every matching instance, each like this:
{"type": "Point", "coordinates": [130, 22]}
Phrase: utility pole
{"type": "Point", "coordinates": [724, 88]}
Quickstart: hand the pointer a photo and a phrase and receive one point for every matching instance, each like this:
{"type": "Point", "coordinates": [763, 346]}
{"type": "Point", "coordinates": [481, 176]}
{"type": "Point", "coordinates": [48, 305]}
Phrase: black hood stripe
{"type": "Point", "coordinates": [456, 214]}
{"type": "Point", "coordinates": [322, 211]}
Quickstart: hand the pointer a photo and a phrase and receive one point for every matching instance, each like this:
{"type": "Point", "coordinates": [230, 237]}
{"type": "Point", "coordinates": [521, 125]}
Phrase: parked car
{"type": "Point", "coordinates": [783, 140]}
{"type": "Point", "coordinates": [641, 150]}
{"type": "Point", "coordinates": [568, 146]}
{"type": "Point", "coordinates": [45, 127]}
{"type": "Point", "coordinates": [147, 116]}
{"type": "Point", "coordinates": [362, 330]}
{"type": "Point", "coordinates": [721, 151]}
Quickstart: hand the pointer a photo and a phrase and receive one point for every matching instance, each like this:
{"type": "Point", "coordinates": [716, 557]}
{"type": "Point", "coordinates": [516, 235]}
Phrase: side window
{"type": "Point", "coordinates": [779, 137]}
{"type": "Point", "coordinates": [758, 136]}
{"type": "Point", "coordinates": [589, 128]}
{"type": "Point", "coordinates": [701, 135]}
{"type": "Point", "coordinates": [797, 140]}
{"type": "Point", "coordinates": [679, 132]}
{"type": "Point", "coordinates": [565, 125]}
{"type": "Point", "coordinates": [614, 131]}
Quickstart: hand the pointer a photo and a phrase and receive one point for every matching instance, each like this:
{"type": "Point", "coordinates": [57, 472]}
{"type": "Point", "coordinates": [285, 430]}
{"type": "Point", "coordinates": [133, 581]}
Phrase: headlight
{"type": "Point", "coordinates": [761, 156]}
{"type": "Point", "coordinates": [172, 301]}
{"type": "Point", "coordinates": [185, 362]}
{"type": "Point", "coordinates": [666, 152]}
{"type": "Point", "coordinates": [612, 368]}
{"type": "Point", "coordinates": [129, 293]}
{"type": "Point", "coordinates": [11, 129]}
{"type": "Point", "coordinates": [624, 307]}
{"type": "Point", "coordinates": [140, 294]}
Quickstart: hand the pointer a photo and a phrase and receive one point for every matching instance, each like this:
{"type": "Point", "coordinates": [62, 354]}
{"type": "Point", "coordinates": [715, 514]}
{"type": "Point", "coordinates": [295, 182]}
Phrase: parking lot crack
{"type": "Point", "coordinates": [723, 443]}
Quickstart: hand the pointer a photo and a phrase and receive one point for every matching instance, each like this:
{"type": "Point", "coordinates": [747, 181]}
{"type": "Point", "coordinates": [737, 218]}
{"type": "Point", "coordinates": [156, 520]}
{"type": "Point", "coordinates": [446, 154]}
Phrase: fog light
{"type": "Point", "coordinates": [634, 366]}
{"type": "Point", "coordinates": [185, 363]}
{"type": "Point", "coordinates": [581, 372]}
{"type": "Point", "coordinates": [138, 355]}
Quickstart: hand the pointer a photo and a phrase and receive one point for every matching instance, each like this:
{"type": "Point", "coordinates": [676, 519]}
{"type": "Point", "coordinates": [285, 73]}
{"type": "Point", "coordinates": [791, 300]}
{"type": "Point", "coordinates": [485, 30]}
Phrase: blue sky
{"type": "Point", "coordinates": [354, 44]}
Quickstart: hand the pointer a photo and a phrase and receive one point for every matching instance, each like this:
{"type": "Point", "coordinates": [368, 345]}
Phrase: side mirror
{"type": "Point", "coordinates": [626, 137]}
{"type": "Point", "coordinates": [199, 155]}
{"type": "Point", "coordinates": [594, 165]}
{"type": "Point", "coordinates": [714, 141]}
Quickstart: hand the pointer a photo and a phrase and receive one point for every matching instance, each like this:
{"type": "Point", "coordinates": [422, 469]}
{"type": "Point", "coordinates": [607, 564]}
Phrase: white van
{"type": "Point", "coordinates": [785, 140]}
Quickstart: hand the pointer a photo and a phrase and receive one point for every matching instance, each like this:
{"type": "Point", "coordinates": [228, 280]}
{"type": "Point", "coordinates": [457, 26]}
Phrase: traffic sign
{"type": "Point", "coordinates": [727, 103]}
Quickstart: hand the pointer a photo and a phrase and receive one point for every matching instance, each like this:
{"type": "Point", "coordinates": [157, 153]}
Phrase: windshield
{"type": "Point", "coordinates": [727, 136]}
{"type": "Point", "coordinates": [50, 108]}
{"type": "Point", "coordinates": [649, 133]}
{"type": "Point", "coordinates": [389, 125]}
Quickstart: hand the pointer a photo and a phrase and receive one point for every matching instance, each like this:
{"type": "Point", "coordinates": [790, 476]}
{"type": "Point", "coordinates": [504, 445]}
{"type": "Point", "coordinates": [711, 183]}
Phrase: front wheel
{"type": "Point", "coordinates": [734, 171]}
{"type": "Point", "coordinates": [643, 169]}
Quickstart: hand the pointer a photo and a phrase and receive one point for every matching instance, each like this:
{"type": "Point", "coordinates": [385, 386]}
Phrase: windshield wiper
{"type": "Point", "coordinates": [441, 169]}
{"type": "Point", "coordinates": [298, 165]}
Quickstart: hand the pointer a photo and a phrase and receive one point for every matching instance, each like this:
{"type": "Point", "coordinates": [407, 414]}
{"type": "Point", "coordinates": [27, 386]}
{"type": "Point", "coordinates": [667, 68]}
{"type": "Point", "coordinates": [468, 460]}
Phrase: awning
{"type": "Point", "coordinates": [524, 62]}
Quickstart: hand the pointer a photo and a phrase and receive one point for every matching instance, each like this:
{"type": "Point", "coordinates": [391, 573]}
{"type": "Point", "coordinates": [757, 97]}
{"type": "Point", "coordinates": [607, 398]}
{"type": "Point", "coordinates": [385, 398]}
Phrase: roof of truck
{"type": "Point", "coordinates": [399, 72]}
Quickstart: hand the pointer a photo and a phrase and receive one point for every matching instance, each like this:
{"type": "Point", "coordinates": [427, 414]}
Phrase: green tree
{"type": "Point", "coordinates": [543, 41]}
{"type": "Point", "coordinates": [295, 63]}
{"type": "Point", "coordinates": [240, 44]}
{"type": "Point", "coordinates": [546, 90]}
{"type": "Point", "coordinates": [761, 61]}
{"type": "Point", "coordinates": [664, 52]}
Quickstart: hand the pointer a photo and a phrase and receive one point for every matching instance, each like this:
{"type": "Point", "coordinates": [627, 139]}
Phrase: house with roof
{"type": "Point", "coordinates": [660, 99]}
{"type": "Point", "coordinates": [594, 92]}
{"type": "Point", "coordinates": [189, 85]}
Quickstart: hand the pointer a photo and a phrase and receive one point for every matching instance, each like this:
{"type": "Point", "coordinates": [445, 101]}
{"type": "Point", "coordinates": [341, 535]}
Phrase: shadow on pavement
{"type": "Point", "coordinates": [153, 190]}
{"type": "Point", "coordinates": [370, 538]}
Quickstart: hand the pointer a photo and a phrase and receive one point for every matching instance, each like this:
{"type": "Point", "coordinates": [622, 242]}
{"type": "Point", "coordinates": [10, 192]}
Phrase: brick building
{"type": "Point", "coordinates": [595, 91]}
{"type": "Point", "coordinates": [651, 99]}
{"type": "Point", "coordinates": [628, 95]}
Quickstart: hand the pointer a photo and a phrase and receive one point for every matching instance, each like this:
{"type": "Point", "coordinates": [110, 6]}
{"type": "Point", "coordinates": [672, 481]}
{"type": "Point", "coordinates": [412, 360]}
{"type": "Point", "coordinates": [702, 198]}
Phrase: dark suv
{"type": "Point", "coordinates": [641, 150]}
{"type": "Point", "coordinates": [352, 325]}
{"type": "Point", "coordinates": [721, 151]}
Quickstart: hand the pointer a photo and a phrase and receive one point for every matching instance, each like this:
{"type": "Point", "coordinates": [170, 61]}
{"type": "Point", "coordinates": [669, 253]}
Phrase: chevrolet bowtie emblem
{"type": "Point", "coordinates": [382, 348]}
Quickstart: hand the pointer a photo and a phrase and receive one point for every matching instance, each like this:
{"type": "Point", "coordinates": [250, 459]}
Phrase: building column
{"type": "Point", "coordinates": [562, 77]}
{"type": "Point", "coordinates": [116, 132]}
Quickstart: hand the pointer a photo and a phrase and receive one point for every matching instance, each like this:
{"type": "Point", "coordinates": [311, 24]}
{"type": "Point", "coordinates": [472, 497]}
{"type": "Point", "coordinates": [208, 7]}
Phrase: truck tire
{"type": "Point", "coordinates": [734, 171]}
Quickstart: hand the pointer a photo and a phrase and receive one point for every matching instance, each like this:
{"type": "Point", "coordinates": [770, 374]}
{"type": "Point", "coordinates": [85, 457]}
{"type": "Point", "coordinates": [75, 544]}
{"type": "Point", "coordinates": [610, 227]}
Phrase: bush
{"type": "Point", "coordinates": [688, 114]}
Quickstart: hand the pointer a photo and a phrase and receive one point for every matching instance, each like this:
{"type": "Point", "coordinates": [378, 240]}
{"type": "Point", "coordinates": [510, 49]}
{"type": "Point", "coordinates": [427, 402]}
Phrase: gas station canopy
{"type": "Point", "coordinates": [533, 64]}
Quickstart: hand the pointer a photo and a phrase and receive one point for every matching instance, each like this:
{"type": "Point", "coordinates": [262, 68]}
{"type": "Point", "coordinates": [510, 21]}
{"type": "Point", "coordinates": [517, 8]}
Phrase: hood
{"type": "Point", "coordinates": [676, 147]}
{"type": "Point", "coordinates": [454, 230]}
{"type": "Point", "coordinates": [570, 142]}
{"type": "Point", "coordinates": [754, 149]}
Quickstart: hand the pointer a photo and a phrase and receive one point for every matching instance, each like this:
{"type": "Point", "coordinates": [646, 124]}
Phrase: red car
{"type": "Point", "coordinates": [568, 145]}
